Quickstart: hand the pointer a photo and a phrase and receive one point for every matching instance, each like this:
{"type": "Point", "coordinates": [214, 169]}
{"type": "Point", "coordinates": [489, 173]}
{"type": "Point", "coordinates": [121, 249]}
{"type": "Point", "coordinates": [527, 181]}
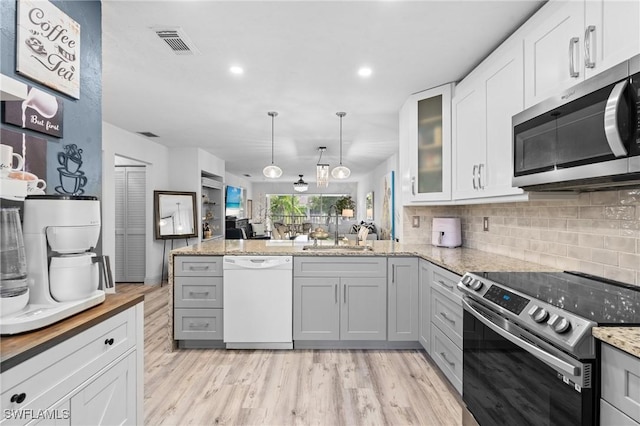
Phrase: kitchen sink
{"type": "Point", "coordinates": [338, 248]}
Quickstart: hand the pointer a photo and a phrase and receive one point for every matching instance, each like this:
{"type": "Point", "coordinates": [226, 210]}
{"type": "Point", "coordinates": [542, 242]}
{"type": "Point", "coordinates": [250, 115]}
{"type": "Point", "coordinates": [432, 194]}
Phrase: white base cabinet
{"type": "Point", "coordinates": [93, 378]}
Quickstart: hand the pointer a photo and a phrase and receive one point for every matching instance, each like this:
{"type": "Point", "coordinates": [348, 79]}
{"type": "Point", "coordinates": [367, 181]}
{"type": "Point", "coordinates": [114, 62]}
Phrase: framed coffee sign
{"type": "Point", "coordinates": [48, 46]}
{"type": "Point", "coordinates": [41, 112]}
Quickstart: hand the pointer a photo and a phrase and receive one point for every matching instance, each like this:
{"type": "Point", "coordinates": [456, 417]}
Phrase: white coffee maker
{"type": "Point", "coordinates": [63, 273]}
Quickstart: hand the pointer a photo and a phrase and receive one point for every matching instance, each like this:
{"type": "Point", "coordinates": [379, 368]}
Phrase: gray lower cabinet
{"type": "Point", "coordinates": [620, 388]}
{"type": "Point", "coordinates": [197, 300]}
{"type": "Point", "coordinates": [425, 275]}
{"type": "Point", "coordinates": [339, 298]}
{"type": "Point", "coordinates": [403, 299]}
{"type": "Point", "coordinates": [446, 324]}
{"type": "Point", "coordinates": [316, 309]}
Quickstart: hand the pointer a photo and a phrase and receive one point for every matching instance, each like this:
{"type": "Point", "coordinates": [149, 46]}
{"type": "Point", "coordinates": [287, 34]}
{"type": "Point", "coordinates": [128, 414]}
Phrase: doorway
{"type": "Point", "coordinates": [130, 213]}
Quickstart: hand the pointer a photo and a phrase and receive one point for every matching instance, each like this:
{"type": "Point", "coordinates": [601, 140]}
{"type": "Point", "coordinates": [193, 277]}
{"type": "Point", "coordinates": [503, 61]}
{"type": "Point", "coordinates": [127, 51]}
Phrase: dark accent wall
{"type": "Point", "coordinates": [82, 117]}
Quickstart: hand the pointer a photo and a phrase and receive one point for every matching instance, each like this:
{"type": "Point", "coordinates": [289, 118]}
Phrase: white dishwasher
{"type": "Point", "coordinates": [258, 302]}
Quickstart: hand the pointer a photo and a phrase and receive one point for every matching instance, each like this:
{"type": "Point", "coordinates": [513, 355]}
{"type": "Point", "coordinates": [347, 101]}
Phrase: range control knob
{"type": "Point", "coordinates": [559, 324]}
{"type": "Point", "coordinates": [538, 314]}
{"type": "Point", "coordinates": [466, 280]}
{"type": "Point", "coordinates": [476, 285]}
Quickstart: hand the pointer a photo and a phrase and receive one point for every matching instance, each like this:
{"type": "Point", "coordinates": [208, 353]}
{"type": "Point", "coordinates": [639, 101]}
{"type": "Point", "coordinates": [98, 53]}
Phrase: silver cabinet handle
{"type": "Point", "coordinates": [611, 120]}
{"type": "Point", "coordinates": [198, 268]}
{"type": "Point", "coordinates": [450, 287]}
{"type": "Point", "coordinates": [480, 167]}
{"type": "Point", "coordinates": [588, 54]}
{"type": "Point", "coordinates": [444, 357]}
{"type": "Point", "coordinates": [475, 171]}
{"type": "Point", "coordinates": [345, 294]}
{"type": "Point", "coordinates": [572, 55]}
{"type": "Point", "coordinates": [393, 274]}
{"type": "Point", "coordinates": [198, 325]}
{"type": "Point", "coordinates": [198, 293]}
{"type": "Point", "coordinates": [445, 316]}
{"type": "Point", "coordinates": [335, 292]}
{"type": "Point", "coordinates": [413, 185]}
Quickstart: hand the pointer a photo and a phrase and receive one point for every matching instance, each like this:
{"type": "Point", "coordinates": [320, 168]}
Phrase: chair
{"type": "Point", "coordinates": [235, 234]}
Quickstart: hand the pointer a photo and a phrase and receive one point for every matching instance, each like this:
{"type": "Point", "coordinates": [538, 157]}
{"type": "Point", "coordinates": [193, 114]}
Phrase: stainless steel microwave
{"type": "Point", "coordinates": [586, 138]}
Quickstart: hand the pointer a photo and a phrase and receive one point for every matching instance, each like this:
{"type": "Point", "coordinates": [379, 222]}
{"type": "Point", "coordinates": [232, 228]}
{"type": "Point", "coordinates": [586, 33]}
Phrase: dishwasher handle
{"type": "Point", "coordinates": [257, 262]}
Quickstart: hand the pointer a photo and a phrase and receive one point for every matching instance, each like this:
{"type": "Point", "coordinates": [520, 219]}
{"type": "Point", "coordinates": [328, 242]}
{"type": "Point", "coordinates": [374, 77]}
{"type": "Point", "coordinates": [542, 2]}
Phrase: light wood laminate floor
{"type": "Point", "coordinates": [303, 387]}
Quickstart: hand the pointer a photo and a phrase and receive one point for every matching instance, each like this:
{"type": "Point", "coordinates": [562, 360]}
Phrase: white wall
{"type": "Point", "coordinates": [119, 142]}
{"type": "Point", "coordinates": [167, 169]}
{"type": "Point", "coordinates": [374, 182]}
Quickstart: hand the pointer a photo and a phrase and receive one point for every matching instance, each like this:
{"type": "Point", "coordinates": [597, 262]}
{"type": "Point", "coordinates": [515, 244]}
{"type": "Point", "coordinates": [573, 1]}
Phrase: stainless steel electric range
{"type": "Point", "coordinates": [528, 353]}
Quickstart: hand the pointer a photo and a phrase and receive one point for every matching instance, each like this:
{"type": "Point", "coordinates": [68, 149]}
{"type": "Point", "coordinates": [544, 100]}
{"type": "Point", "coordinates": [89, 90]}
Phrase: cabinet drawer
{"type": "Point", "coordinates": [197, 266]}
{"type": "Point", "coordinates": [48, 376]}
{"type": "Point", "coordinates": [343, 266]}
{"type": "Point", "coordinates": [446, 281]}
{"type": "Point", "coordinates": [197, 292]}
{"type": "Point", "coordinates": [447, 356]}
{"type": "Point", "coordinates": [447, 315]}
{"type": "Point", "coordinates": [610, 415]}
{"type": "Point", "coordinates": [620, 378]}
{"type": "Point", "coordinates": [197, 324]}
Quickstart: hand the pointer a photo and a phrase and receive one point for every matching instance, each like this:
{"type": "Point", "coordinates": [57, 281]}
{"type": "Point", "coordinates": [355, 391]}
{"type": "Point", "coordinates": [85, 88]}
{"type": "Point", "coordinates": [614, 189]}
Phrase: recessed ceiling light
{"type": "Point", "coordinates": [237, 70]}
{"type": "Point", "coordinates": [365, 72]}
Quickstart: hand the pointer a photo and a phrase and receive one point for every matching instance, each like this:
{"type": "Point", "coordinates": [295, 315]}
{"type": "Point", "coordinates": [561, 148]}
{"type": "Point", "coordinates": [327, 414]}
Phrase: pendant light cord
{"type": "Point", "coordinates": [272, 118]}
{"type": "Point", "coordinates": [341, 140]}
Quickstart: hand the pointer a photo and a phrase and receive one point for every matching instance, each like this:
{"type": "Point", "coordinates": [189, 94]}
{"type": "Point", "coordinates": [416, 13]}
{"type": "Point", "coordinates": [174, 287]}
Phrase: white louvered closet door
{"type": "Point", "coordinates": [130, 224]}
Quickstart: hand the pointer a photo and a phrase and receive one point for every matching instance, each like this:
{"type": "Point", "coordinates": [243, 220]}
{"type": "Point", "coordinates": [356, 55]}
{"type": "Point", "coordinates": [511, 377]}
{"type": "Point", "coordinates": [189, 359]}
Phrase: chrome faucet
{"type": "Point", "coordinates": [335, 208]}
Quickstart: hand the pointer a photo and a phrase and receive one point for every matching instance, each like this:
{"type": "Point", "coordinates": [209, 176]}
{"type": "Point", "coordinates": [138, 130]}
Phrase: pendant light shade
{"type": "Point", "coordinates": [322, 171]}
{"type": "Point", "coordinates": [300, 185]}
{"type": "Point", "coordinates": [272, 171]}
{"type": "Point", "coordinates": [341, 172]}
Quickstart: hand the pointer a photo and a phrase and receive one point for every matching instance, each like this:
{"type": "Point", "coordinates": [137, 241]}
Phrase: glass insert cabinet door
{"type": "Point", "coordinates": [428, 133]}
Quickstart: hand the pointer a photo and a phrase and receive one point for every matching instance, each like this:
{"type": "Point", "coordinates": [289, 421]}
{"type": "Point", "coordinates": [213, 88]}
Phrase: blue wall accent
{"type": "Point", "coordinates": [82, 117]}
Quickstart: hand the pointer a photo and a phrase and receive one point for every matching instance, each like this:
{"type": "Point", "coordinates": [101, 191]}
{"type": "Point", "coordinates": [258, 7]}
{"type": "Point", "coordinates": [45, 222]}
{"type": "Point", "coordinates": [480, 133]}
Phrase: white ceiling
{"type": "Point", "coordinates": [301, 60]}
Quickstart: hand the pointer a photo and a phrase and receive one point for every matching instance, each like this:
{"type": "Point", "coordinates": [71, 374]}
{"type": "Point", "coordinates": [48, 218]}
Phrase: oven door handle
{"type": "Point", "coordinates": [542, 355]}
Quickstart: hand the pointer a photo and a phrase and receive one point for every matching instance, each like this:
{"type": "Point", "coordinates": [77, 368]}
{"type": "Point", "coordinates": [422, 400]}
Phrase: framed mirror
{"type": "Point", "coordinates": [174, 214]}
{"type": "Point", "coordinates": [369, 205]}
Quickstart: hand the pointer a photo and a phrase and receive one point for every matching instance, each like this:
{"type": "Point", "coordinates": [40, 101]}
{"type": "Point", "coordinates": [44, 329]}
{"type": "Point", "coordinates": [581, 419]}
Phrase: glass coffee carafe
{"type": "Point", "coordinates": [13, 264]}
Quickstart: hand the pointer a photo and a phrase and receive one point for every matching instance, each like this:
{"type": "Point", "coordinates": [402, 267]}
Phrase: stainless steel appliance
{"type": "Point", "coordinates": [586, 138]}
{"type": "Point", "coordinates": [60, 234]}
{"type": "Point", "coordinates": [528, 353]}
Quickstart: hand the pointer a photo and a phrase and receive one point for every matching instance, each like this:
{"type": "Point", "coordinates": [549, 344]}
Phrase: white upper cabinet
{"type": "Point", "coordinates": [568, 41]}
{"type": "Point", "coordinates": [612, 33]}
{"type": "Point", "coordinates": [553, 58]}
{"type": "Point", "coordinates": [483, 105]}
{"type": "Point", "coordinates": [425, 146]}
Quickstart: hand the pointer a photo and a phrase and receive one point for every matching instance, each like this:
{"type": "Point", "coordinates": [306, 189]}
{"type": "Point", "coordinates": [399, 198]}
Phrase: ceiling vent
{"type": "Point", "coordinates": [148, 134]}
{"type": "Point", "coordinates": [176, 39]}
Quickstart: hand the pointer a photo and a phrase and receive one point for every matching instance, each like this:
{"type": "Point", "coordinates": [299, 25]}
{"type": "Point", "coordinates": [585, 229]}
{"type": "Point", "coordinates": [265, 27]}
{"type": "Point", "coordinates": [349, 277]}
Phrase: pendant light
{"type": "Point", "coordinates": [272, 171]}
{"type": "Point", "coordinates": [341, 172]}
{"type": "Point", "coordinates": [322, 171]}
{"type": "Point", "coordinates": [300, 185]}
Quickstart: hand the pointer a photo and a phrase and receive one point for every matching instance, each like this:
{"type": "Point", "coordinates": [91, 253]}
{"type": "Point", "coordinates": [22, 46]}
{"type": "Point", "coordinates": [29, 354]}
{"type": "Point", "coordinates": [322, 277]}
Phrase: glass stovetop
{"type": "Point", "coordinates": [594, 298]}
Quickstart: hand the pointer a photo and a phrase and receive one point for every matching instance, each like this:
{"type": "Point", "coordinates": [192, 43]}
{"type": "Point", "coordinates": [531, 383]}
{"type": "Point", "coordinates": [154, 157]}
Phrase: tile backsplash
{"type": "Point", "coordinates": [594, 232]}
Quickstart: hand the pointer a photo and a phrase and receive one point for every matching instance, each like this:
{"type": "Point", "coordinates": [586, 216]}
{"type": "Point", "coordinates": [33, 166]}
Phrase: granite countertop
{"type": "Point", "coordinates": [458, 260]}
{"type": "Point", "coordinates": [624, 338]}
{"type": "Point", "coordinates": [20, 347]}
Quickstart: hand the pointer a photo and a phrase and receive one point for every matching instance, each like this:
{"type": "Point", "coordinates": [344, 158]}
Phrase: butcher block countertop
{"type": "Point", "coordinates": [458, 260]}
{"type": "Point", "coordinates": [20, 347]}
{"type": "Point", "coordinates": [624, 338]}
